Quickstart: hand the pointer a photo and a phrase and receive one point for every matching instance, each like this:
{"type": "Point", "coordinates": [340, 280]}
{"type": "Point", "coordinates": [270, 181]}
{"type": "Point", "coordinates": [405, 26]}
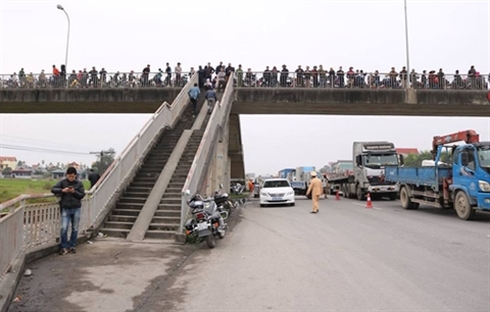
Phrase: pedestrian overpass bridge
{"type": "Point", "coordinates": [141, 196]}
{"type": "Point", "coordinates": [403, 102]}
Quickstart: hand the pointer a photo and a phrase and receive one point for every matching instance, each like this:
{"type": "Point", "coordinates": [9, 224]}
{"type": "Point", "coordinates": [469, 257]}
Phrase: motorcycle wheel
{"type": "Point", "coordinates": [210, 241]}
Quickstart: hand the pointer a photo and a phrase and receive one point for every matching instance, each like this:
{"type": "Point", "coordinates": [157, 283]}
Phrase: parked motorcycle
{"type": "Point", "coordinates": [223, 201]}
{"type": "Point", "coordinates": [238, 189]}
{"type": "Point", "coordinates": [207, 220]}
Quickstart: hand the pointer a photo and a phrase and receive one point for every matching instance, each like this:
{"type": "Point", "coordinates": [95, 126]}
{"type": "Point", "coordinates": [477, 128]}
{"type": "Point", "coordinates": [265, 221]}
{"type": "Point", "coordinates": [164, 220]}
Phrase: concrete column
{"type": "Point", "coordinates": [411, 96]}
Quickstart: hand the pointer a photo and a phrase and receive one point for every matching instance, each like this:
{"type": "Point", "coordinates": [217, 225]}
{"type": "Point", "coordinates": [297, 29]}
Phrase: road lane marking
{"type": "Point", "coordinates": [361, 205]}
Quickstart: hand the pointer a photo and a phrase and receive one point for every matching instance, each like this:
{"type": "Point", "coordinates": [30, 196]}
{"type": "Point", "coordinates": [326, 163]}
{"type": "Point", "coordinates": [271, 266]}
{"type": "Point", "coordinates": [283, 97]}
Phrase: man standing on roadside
{"type": "Point", "coordinates": [71, 191]}
{"type": "Point", "coordinates": [194, 93]}
{"type": "Point", "coordinates": [315, 189]}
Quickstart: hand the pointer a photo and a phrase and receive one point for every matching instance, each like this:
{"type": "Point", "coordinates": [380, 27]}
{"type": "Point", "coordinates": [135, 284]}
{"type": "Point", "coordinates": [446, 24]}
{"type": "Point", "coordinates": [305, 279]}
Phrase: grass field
{"type": "Point", "coordinates": [11, 188]}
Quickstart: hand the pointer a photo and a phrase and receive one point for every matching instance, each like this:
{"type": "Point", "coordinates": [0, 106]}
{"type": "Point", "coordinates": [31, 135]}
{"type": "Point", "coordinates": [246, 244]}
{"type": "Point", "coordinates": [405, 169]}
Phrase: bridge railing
{"type": "Point", "coordinates": [371, 80]}
{"type": "Point", "coordinates": [110, 185]}
{"type": "Point", "coordinates": [87, 80]}
{"type": "Point", "coordinates": [201, 161]}
{"type": "Point", "coordinates": [25, 225]}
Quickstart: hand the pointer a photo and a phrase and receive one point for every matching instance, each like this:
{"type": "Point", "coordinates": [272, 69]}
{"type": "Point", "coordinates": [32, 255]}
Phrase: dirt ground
{"type": "Point", "coordinates": [108, 275]}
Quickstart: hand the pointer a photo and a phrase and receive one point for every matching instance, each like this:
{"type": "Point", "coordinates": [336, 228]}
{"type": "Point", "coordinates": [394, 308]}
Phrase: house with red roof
{"type": "Point", "coordinates": [407, 151]}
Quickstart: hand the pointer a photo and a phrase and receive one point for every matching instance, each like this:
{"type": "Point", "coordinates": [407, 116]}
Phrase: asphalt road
{"type": "Point", "coordinates": [345, 258]}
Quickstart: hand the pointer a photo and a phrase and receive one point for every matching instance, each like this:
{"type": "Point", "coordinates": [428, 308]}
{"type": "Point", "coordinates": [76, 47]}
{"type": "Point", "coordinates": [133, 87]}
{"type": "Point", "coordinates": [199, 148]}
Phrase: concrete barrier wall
{"type": "Point", "coordinates": [141, 95]}
{"type": "Point", "coordinates": [302, 95]}
{"type": "Point", "coordinates": [452, 97]}
{"type": "Point", "coordinates": [363, 96]}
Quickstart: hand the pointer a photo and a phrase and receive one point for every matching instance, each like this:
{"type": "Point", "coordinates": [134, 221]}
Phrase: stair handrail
{"type": "Point", "coordinates": [125, 166]}
{"type": "Point", "coordinates": [217, 119]}
{"type": "Point", "coordinates": [15, 235]}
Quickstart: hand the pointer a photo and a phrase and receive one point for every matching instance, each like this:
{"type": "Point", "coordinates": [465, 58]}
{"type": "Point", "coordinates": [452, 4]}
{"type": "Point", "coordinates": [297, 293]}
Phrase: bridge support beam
{"type": "Point", "coordinates": [219, 168]}
{"type": "Point", "coordinates": [235, 149]}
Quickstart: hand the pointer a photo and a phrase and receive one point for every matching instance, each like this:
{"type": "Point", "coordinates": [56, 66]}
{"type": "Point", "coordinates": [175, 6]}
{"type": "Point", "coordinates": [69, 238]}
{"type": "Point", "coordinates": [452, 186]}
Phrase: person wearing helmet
{"type": "Point", "coordinates": [315, 189]}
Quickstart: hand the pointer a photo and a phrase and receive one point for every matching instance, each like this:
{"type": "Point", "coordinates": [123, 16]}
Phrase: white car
{"type": "Point", "coordinates": [276, 192]}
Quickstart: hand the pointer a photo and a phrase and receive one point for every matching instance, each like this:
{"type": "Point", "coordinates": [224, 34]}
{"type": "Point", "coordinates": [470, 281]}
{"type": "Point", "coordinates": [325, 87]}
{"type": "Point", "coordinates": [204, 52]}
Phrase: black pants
{"type": "Point", "coordinates": [194, 106]}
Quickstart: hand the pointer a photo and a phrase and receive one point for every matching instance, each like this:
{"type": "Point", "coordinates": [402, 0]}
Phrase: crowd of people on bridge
{"type": "Point", "coordinates": [216, 78]}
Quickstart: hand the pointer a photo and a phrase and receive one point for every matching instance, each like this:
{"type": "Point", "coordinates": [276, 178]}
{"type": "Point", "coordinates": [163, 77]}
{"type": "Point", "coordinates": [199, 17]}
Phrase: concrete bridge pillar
{"type": "Point", "coordinates": [218, 170]}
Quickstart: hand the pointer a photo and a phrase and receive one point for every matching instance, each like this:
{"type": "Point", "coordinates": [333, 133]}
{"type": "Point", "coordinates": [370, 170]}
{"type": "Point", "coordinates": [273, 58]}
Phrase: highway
{"type": "Point", "coordinates": [345, 258]}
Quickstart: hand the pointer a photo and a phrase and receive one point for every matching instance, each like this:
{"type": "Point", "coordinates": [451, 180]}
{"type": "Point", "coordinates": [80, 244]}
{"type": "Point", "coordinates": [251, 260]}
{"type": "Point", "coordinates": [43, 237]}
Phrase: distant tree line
{"type": "Point", "coordinates": [415, 160]}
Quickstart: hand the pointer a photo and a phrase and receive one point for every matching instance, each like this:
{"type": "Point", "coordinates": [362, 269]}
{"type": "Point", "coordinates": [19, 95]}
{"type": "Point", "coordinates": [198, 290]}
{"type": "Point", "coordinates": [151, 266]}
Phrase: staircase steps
{"type": "Point", "coordinates": [127, 208]}
{"type": "Point", "coordinates": [166, 221]}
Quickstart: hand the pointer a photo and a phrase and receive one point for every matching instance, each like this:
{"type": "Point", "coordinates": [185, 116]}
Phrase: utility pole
{"type": "Point", "coordinates": [101, 153]}
{"type": "Point", "coordinates": [103, 165]}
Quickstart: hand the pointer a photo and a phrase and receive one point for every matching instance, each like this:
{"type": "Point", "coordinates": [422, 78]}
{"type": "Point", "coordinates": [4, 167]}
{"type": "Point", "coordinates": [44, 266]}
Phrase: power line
{"type": "Point", "coordinates": [4, 137]}
{"type": "Point", "coordinates": [36, 149]}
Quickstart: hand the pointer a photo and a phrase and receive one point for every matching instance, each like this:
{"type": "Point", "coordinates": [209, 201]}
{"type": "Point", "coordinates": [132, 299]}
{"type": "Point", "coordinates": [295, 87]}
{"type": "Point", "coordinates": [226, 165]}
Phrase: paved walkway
{"type": "Point", "coordinates": [108, 275]}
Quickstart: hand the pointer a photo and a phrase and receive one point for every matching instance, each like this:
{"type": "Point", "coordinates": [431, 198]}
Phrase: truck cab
{"type": "Point", "coordinates": [370, 160]}
{"type": "Point", "coordinates": [471, 174]}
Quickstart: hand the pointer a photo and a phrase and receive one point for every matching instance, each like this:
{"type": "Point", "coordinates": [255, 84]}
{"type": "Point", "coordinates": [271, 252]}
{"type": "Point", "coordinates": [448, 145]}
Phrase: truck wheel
{"type": "Point", "coordinates": [463, 207]}
{"type": "Point", "coordinates": [360, 194]}
{"type": "Point", "coordinates": [345, 191]}
{"type": "Point", "coordinates": [405, 198]}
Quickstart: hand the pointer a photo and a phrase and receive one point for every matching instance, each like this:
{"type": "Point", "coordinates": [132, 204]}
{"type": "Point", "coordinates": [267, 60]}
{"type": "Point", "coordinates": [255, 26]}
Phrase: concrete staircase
{"type": "Point", "coordinates": [166, 221]}
{"type": "Point", "coordinates": [121, 219]}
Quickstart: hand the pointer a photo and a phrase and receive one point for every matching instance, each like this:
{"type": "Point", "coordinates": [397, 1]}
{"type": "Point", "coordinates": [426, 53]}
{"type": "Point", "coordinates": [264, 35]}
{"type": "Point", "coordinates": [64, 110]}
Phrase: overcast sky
{"type": "Point", "coordinates": [127, 35]}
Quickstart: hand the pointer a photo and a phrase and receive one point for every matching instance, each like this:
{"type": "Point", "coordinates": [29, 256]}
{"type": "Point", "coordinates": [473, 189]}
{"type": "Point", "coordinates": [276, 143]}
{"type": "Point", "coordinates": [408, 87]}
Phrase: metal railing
{"type": "Point", "coordinates": [217, 119]}
{"type": "Point", "coordinates": [83, 80]}
{"type": "Point", "coordinates": [29, 225]}
{"type": "Point", "coordinates": [111, 183]}
{"type": "Point", "coordinates": [11, 238]}
{"type": "Point", "coordinates": [361, 80]}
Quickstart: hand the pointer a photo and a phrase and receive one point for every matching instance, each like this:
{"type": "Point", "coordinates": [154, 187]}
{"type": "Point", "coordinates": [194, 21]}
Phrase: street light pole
{"type": "Point", "coordinates": [406, 44]}
{"type": "Point", "coordinates": [67, 36]}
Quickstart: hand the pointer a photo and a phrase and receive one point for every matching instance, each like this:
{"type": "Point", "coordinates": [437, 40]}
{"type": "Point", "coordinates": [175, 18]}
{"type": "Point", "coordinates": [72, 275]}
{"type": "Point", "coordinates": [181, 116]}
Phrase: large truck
{"type": "Point", "coordinates": [461, 183]}
{"type": "Point", "coordinates": [367, 176]}
{"type": "Point", "coordinates": [339, 169]}
{"type": "Point", "coordinates": [287, 173]}
{"type": "Point", "coordinates": [301, 178]}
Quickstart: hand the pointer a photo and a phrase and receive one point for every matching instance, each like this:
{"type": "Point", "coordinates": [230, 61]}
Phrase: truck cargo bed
{"type": "Point", "coordinates": [419, 176]}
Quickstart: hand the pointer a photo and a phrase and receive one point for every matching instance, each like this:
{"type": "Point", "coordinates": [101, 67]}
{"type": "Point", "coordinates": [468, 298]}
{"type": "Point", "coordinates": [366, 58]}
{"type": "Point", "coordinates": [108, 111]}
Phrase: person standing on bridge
{"type": "Point", "coordinates": [70, 191]}
{"type": "Point", "coordinates": [194, 93]}
{"type": "Point", "coordinates": [315, 189]}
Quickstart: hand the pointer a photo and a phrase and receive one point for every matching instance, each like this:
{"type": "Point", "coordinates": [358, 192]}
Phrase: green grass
{"type": "Point", "coordinates": [11, 188]}
{"type": "Point", "coordinates": [243, 195]}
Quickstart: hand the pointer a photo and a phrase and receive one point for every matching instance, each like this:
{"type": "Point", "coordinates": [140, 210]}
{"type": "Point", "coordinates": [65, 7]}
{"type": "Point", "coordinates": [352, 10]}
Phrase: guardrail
{"type": "Point", "coordinates": [360, 80]}
{"type": "Point", "coordinates": [82, 80]}
{"type": "Point", "coordinates": [199, 165]}
{"type": "Point", "coordinates": [27, 226]}
{"type": "Point", "coordinates": [107, 190]}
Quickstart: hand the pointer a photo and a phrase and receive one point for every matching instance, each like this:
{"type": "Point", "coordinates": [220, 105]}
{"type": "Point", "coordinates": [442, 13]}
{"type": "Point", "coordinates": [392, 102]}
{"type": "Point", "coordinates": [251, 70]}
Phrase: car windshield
{"type": "Point", "coordinates": [379, 160]}
{"type": "Point", "coordinates": [484, 157]}
{"type": "Point", "coordinates": [278, 183]}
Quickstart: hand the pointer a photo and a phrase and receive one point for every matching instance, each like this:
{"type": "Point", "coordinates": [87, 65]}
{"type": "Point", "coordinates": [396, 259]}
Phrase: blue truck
{"type": "Point", "coordinates": [461, 183]}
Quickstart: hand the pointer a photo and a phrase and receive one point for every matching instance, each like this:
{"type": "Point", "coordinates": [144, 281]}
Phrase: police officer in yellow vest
{"type": "Point", "coordinates": [315, 189]}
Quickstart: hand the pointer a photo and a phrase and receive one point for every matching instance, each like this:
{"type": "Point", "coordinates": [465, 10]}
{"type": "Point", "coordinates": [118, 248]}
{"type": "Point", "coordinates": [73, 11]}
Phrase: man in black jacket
{"type": "Point", "coordinates": [71, 192]}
